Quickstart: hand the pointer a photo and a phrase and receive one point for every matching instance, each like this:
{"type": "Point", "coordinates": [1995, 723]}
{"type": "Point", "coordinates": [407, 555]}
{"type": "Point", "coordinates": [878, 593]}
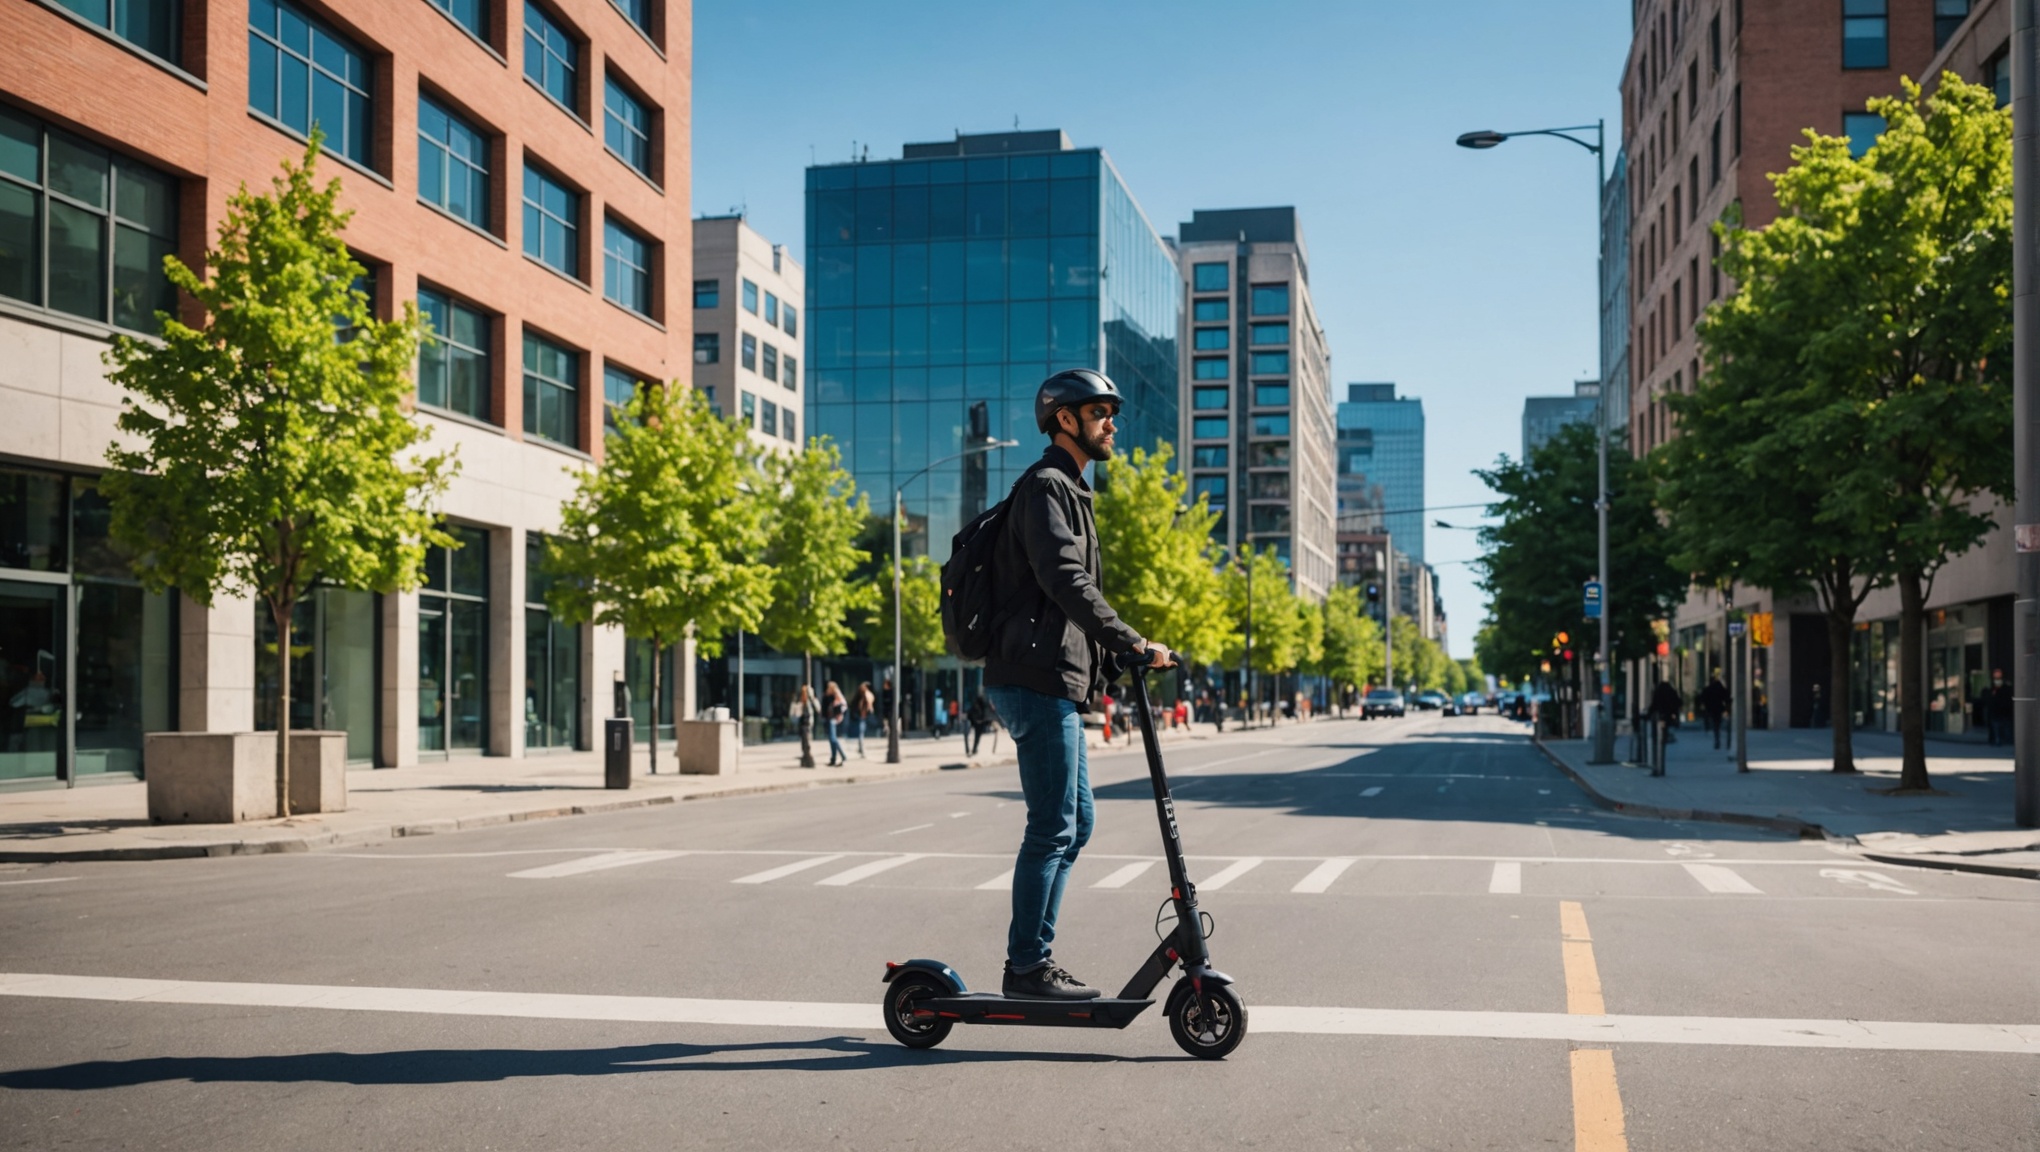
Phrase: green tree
{"type": "Point", "coordinates": [665, 535]}
{"type": "Point", "coordinates": [1543, 550]}
{"type": "Point", "coordinates": [814, 514]}
{"type": "Point", "coordinates": [1455, 678]}
{"type": "Point", "coordinates": [1161, 568]}
{"type": "Point", "coordinates": [1352, 640]}
{"type": "Point", "coordinates": [274, 453]}
{"type": "Point", "coordinates": [921, 639]}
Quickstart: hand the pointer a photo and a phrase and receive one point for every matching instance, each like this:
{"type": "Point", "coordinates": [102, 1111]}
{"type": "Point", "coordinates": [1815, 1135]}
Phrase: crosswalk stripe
{"type": "Point", "coordinates": [1321, 877]}
{"type": "Point", "coordinates": [1121, 877]}
{"type": "Point", "coordinates": [601, 863]}
{"type": "Point", "coordinates": [1725, 881]}
{"type": "Point", "coordinates": [771, 874]}
{"type": "Point", "coordinates": [1367, 792]}
{"type": "Point", "coordinates": [1230, 873]}
{"type": "Point", "coordinates": [1507, 879]}
{"type": "Point", "coordinates": [1002, 882]}
{"type": "Point", "coordinates": [864, 871]}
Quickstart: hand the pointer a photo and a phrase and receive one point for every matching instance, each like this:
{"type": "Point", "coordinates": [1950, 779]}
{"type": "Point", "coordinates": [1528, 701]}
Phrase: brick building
{"type": "Point", "coordinates": [517, 170]}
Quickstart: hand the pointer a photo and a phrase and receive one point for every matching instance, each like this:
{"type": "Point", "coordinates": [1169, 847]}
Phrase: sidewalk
{"type": "Point", "coordinates": [111, 821]}
{"type": "Point", "coordinates": [1790, 789]}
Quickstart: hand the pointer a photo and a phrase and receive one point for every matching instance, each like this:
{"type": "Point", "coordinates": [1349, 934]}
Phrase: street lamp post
{"type": "Point", "coordinates": [1604, 728]}
{"type": "Point", "coordinates": [892, 739]}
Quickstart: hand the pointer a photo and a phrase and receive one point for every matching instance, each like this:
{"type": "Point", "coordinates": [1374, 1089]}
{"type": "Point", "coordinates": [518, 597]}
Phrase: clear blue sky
{"type": "Point", "coordinates": [1468, 278]}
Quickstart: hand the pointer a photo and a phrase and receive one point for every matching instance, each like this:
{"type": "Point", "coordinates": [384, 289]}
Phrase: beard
{"type": "Point", "coordinates": [1094, 446]}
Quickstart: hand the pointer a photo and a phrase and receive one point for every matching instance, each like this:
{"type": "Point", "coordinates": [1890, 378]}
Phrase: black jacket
{"type": "Point", "coordinates": [1054, 626]}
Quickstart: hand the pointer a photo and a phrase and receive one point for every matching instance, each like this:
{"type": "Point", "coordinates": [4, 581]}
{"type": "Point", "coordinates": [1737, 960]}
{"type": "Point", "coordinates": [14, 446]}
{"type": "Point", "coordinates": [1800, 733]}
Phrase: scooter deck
{"type": "Point", "coordinates": [991, 1008]}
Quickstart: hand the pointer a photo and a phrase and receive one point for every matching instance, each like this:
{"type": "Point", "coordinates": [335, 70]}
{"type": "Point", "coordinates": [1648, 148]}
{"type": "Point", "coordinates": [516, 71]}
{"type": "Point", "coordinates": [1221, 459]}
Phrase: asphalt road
{"type": "Point", "coordinates": [1441, 944]}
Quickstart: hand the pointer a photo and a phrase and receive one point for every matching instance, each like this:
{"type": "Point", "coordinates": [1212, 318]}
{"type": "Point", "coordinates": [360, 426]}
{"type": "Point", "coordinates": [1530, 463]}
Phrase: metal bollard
{"type": "Point", "coordinates": [616, 736]}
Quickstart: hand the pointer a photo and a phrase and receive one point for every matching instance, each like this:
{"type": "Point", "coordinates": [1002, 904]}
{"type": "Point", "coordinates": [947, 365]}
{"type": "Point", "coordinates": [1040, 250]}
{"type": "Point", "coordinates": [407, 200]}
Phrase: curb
{"type": "Point", "coordinates": [1945, 864]}
{"type": "Point", "coordinates": [328, 839]}
{"type": "Point", "coordinates": [1790, 826]}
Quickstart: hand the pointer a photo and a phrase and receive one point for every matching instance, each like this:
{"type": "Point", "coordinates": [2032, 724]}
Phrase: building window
{"type": "Point", "coordinates": [1735, 123]}
{"type": "Point", "coordinates": [1209, 399]}
{"type": "Point", "coordinates": [1997, 72]}
{"type": "Point", "coordinates": [1678, 216]}
{"type": "Point", "coordinates": [768, 421]}
{"type": "Point", "coordinates": [1210, 428]}
{"type": "Point", "coordinates": [626, 126]}
{"type": "Point", "coordinates": [154, 26]}
{"type": "Point", "coordinates": [708, 347]}
{"type": "Point", "coordinates": [1714, 267]}
{"type": "Point", "coordinates": [472, 15]}
{"type": "Point", "coordinates": [750, 298]}
{"type": "Point", "coordinates": [619, 388]}
{"type": "Point", "coordinates": [1866, 34]}
{"type": "Point", "coordinates": [786, 431]}
{"type": "Point", "coordinates": [1271, 395]}
{"type": "Point", "coordinates": [551, 58]}
{"type": "Point", "coordinates": [552, 661]}
{"type": "Point", "coordinates": [1270, 455]}
{"type": "Point", "coordinates": [792, 321]}
{"type": "Point", "coordinates": [1265, 334]}
{"type": "Point", "coordinates": [1714, 155]}
{"type": "Point", "coordinates": [1211, 311]}
{"type": "Point", "coordinates": [1862, 129]}
{"type": "Point", "coordinates": [1714, 44]}
{"type": "Point", "coordinates": [1270, 364]}
{"type": "Point", "coordinates": [748, 351]}
{"type": "Point", "coordinates": [750, 410]}
{"type": "Point", "coordinates": [638, 12]}
{"type": "Point", "coordinates": [1271, 425]}
{"type": "Point", "coordinates": [626, 267]}
{"type": "Point", "coordinates": [1268, 486]}
{"type": "Point", "coordinates": [708, 293]}
{"type": "Point", "coordinates": [551, 377]}
{"type": "Point", "coordinates": [453, 644]}
{"type": "Point", "coordinates": [1210, 456]}
{"type": "Point", "coordinates": [303, 75]}
{"type": "Point", "coordinates": [552, 222]}
{"type": "Point", "coordinates": [453, 363]}
{"type": "Point", "coordinates": [1208, 277]}
{"type": "Point", "coordinates": [1213, 339]}
{"type": "Point", "coordinates": [771, 369]}
{"type": "Point", "coordinates": [1948, 16]}
{"type": "Point", "coordinates": [453, 164]}
{"type": "Point", "coordinates": [1208, 368]}
{"type": "Point", "coordinates": [83, 231]}
{"type": "Point", "coordinates": [1271, 300]}
{"type": "Point", "coordinates": [789, 373]}
{"type": "Point", "coordinates": [1693, 188]}
{"type": "Point", "coordinates": [772, 309]}
{"type": "Point", "coordinates": [1212, 489]}
{"type": "Point", "coordinates": [1693, 297]}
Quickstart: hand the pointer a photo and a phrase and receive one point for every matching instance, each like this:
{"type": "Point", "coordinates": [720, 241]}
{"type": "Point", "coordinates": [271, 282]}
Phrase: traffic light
{"type": "Point", "coordinates": [1564, 639]}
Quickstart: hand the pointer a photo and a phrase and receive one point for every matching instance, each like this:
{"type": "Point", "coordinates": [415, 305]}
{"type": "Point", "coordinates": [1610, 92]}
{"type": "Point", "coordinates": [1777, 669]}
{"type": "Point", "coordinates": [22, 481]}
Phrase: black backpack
{"type": "Point", "coordinates": [967, 614]}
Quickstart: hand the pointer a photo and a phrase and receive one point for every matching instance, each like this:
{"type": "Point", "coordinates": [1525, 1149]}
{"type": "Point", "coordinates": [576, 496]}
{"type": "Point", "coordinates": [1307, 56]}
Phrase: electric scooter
{"type": "Point", "coordinates": [924, 999]}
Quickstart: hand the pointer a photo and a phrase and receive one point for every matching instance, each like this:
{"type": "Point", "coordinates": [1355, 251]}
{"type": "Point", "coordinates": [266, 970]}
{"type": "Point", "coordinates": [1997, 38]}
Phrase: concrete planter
{"type": "Point", "coordinates": [230, 777]}
{"type": "Point", "coordinates": [707, 747]}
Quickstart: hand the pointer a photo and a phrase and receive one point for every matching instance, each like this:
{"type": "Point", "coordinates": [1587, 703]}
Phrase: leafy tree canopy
{"type": "Point", "coordinates": [1161, 567]}
{"type": "Point", "coordinates": [814, 517]}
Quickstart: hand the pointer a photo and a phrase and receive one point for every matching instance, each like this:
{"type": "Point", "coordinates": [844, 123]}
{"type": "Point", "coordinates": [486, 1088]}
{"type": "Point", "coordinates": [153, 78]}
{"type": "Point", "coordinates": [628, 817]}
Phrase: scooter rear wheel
{"type": "Point", "coordinates": [909, 1023]}
{"type": "Point", "coordinates": [1212, 1039]}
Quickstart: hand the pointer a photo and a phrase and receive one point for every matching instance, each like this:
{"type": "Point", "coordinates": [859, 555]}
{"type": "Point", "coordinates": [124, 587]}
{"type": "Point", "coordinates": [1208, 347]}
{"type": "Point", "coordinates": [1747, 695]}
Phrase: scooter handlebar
{"type": "Point", "coordinates": [1128, 661]}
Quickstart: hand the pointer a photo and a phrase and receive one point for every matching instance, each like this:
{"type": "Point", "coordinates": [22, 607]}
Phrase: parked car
{"type": "Point", "coordinates": [1381, 702]}
{"type": "Point", "coordinates": [1470, 704]}
{"type": "Point", "coordinates": [1432, 700]}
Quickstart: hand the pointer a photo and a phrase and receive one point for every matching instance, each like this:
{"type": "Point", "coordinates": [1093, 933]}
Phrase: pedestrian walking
{"type": "Point", "coordinates": [1666, 704]}
{"type": "Point", "coordinates": [885, 708]}
{"type": "Point", "coordinates": [955, 717]}
{"type": "Point", "coordinates": [1997, 708]}
{"type": "Point", "coordinates": [1714, 701]}
{"type": "Point", "coordinates": [835, 708]}
{"type": "Point", "coordinates": [940, 723]}
{"type": "Point", "coordinates": [978, 719]}
{"type": "Point", "coordinates": [1819, 719]}
{"type": "Point", "coordinates": [860, 715]}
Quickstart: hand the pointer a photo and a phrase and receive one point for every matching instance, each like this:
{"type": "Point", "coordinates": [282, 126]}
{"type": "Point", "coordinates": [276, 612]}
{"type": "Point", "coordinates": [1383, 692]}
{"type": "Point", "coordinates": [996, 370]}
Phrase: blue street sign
{"type": "Point", "coordinates": [1592, 600]}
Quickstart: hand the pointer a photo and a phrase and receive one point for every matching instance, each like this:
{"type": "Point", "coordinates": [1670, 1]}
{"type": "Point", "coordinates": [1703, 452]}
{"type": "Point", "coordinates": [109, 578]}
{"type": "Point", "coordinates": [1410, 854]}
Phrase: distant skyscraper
{"type": "Point", "coordinates": [1543, 416]}
{"type": "Point", "coordinates": [1615, 296]}
{"type": "Point", "coordinates": [747, 353]}
{"type": "Point", "coordinates": [1381, 462]}
{"type": "Point", "coordinates": [1259, 424]}
{"type": "Point", "coordinates": [968, 271]}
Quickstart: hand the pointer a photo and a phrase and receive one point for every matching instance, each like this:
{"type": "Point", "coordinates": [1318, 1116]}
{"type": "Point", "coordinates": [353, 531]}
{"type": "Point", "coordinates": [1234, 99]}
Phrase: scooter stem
{"type": "Point", "coordinates": [1189, 933]}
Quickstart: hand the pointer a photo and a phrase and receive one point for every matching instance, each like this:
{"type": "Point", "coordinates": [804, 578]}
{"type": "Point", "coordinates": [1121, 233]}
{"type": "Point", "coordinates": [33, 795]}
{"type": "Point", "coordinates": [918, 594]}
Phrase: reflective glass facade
{"type": "Point", "coordinates": [1381, 447]}
{"type": "Point", "coordinates": [935, 283]}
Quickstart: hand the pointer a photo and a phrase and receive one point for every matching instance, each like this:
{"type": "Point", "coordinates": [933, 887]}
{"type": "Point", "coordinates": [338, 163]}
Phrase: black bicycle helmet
{"type": "Point", "coordinates": [1068, 389]}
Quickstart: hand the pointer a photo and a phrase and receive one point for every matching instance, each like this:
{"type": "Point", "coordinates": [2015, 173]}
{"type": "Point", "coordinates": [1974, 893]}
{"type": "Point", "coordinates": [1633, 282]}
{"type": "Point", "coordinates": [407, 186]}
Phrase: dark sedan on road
{"type": "Point", "coordinates": [1381, 702]}
{"type": "Point", "coordinates": [1432, 700]}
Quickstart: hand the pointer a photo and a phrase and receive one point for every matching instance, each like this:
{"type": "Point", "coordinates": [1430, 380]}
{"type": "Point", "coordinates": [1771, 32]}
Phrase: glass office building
{"type": "Point", "coordinates": [1381, 447]}
{"type": "Point", "coordinates": [967, 272]}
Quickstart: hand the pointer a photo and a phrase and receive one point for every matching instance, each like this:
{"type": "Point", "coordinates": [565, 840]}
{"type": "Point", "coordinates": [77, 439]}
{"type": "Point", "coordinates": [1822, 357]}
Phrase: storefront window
{"type": "Point", "coordinates": [453, 645]}
{"type": "Point", "coordinates": [552, 661]}
{"type": "Point", "coordinates": [332, 668]}
{"type": "Point", "coordinates": [637, 661]}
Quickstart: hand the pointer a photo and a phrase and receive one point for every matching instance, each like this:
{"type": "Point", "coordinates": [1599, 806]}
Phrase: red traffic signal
{"type": "Point", "coordinates": [1568, 655]}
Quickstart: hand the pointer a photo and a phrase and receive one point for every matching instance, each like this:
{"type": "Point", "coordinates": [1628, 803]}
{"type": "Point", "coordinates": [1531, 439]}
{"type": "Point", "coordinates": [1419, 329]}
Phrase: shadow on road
{"type": "Point", "coordinates": [483, 1065]}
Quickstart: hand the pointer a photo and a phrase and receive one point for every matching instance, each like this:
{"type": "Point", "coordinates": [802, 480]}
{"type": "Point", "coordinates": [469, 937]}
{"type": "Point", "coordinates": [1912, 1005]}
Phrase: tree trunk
{"type": "Point", "coordinates": [807, 711]}
{"type": "Point", "coordinates": [1912, 675]}
{"type": "Point", "coordinates": [1841, 627]}
{"type": "Point", "coordinates": [655, 708]}
{"type": "Point", "coordinates": [282, 618]}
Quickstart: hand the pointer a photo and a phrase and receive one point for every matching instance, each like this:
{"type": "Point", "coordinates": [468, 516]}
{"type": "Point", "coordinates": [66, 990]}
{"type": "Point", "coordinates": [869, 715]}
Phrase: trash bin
{"type": "Point", "coordinates": [616, 753]}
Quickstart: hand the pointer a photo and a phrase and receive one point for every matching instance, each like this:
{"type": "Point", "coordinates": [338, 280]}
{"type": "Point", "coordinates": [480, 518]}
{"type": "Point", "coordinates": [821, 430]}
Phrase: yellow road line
{"type": "Point", "coordinates": [1582, 975]}
{"type": "Point", "coordinates": [1596, 1103]}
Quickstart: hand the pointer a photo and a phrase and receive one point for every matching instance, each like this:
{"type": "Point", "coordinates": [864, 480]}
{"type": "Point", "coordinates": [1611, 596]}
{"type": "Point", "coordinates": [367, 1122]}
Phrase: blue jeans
{"type": "Point", "coordinates": [835, 745]}
{"type": "Point", "coordinates": [1055, 777]}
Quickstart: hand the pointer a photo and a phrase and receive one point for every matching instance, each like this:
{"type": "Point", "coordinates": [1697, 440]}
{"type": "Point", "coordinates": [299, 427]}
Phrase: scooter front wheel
{"type": "Point", "coordinates": [1207, 1039]}
{"type": "Point", "coordinates": [909, 1022]}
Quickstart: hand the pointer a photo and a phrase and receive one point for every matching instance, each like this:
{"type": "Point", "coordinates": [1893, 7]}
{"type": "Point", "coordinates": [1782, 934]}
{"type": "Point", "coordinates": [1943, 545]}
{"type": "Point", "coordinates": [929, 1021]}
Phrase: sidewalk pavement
{"type": "Point", "coordinates": [1966, 826]}
{"type": "Point", "coordinates": [110, 821]}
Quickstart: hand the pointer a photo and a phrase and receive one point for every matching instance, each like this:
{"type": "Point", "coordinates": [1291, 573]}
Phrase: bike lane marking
{"type": "Point", "coordinates": [601, 863]}
{"type": "Point", "coordinates": [1597, 1098]}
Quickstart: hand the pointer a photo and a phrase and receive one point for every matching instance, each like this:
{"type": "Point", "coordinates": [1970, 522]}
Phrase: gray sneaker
{"type": "Point", "coordinates": [1047, 982]}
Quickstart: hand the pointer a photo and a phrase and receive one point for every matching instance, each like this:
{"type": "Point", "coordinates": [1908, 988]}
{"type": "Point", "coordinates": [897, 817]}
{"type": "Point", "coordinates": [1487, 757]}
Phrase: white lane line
{"type": "Point", "coordinates": [1229, 873]}
{"type": "Point", "coordinates": [958, 815]}
{"type": "Point", "coordinates": [771, 874]}
{"type": "Point", "coordinates": [1321, 877]}
{"type": "Point", "coordinates": [866, 870]}
{"type": "Point", "coordinates": [602, 863]}
{"type": "Point", "coordinates": [2015, 1039]}
{"type": "Point", "coordinates": [1854, 877]}
{"type": "Point", "coordinates": [1367, 792]}
{"type": "Point", "coordinates": [914, 828]}
{"type": "Point", "coordinates": [1724, 881]}
{"type": "Point", "coordinates": [1003, 882]}
{"type": "Point", "coordinates": [42, 880]}
{"type": "Point", "coordinates": [1507, 879]}
{"type": "Point", "coordinates": [1121, 877]}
